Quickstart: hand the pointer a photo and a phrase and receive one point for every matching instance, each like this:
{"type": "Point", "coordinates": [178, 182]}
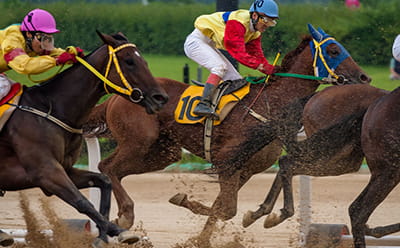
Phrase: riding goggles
{"type": "Point", "coordinates": [267, 21]}
{"type": "Point", "coordinates": [46, 41]}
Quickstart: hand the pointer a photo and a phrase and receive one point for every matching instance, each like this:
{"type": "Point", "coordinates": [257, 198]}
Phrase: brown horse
{"type": "Point", "coordinates": [332, 121]}
{"type": "Point", "coordinates": [380, 141]}
{"type": "Point", "coordinates": [152, 142]}
{"type": "Point", "coordinates": [42, 152]}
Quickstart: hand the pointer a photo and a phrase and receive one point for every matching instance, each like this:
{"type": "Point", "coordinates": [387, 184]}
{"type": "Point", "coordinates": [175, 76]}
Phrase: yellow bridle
{"type": "Point", "coordinates": [112, 58]}
{"type": "Point", "coordinates": [318, 53]}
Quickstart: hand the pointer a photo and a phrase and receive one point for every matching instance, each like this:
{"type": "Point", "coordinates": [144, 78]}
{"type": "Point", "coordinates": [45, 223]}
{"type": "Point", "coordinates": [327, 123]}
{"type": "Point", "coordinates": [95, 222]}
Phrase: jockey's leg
{"type": "Point", "coordinates": [204, 106]}
{"type": "Point", "coordinates": [5, 85]}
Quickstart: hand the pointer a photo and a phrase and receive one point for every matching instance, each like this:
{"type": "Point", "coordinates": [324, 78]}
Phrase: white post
{"type": "Point", "coordinates": [304, 208]}
{"type": "Point", "coordinates": [94, 156]}
{"type": "Point", "coordinates": [145, 2]}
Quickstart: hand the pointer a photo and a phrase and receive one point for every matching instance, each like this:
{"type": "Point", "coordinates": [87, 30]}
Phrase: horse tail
{"type": "Point", "coordinates": [328, 141]}
{"type": "Point", "coordinates": [96, 126]}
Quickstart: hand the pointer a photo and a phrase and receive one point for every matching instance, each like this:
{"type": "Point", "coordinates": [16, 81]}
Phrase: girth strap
{"type": "Point", "coordinates": [49, 117]}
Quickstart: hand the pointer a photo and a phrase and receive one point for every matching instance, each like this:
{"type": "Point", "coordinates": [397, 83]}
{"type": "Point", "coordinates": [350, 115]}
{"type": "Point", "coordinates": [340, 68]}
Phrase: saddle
{"type": "Point", "coordinates": [226, 96]}
{"type": "Point", "coordinates": [7, 103]}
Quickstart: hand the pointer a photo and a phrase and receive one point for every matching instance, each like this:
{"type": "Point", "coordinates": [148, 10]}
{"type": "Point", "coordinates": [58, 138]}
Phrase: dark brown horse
{"type": "Point", "coordinates": [380, 141]}
{"type": "Point", "coordinates": [39, 150]}
{"type": "Point", "coordinates": [332, 121]}
{"type": "Point", "coordinates": [152, 142]}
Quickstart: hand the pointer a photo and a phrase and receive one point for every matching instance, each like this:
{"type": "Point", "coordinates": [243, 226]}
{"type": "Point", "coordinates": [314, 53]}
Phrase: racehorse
{"type": "Point", "coordinates": [380, 141]}
{"type": "Point", "coordinates": [152, 142]}
{"type": "Point", "coordinates": [42, 152]}
{"type": "Point", "coordinates": [332, 121]}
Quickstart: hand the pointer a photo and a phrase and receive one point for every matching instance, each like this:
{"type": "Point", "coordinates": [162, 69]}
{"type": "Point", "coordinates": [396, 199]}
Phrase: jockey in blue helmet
{"type": "Point", "coordinates": [237, 32]}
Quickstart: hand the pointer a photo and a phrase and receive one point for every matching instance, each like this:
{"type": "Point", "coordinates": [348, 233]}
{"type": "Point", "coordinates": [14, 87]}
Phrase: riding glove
{"type": "Point", "coordinates": [266, 69]}
{"type": "Point", "coordinates": [75, 50]}
{"type": "Point", "coordinates": [66, 58]}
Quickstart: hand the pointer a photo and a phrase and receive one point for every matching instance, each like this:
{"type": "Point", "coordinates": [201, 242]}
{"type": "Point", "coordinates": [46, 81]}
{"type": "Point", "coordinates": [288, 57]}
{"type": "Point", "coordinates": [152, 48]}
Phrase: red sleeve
{"type": "Point", "coordinates": [250, 54]}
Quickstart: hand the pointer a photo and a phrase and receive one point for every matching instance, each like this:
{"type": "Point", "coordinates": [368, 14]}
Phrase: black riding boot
{"type": "Point", "coordinates": [204, 106]}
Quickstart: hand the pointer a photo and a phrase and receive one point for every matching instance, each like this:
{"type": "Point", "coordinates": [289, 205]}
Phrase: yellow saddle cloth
{"type": "Point", "coordinates": [192, 96]}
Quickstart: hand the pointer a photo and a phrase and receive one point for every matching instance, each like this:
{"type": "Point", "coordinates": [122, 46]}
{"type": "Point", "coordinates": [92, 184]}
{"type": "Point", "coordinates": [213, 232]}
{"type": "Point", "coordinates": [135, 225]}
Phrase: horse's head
{"type": "Point", "coordinates": [332, 59]}
{"type": "Point", "coordinates": [129, 75]}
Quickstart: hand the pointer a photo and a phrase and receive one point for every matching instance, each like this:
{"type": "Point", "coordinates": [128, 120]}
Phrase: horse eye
{"type": "Point", "coordinates": [334, 52]}
{"type": "Point", "coordinates": [129, 61]}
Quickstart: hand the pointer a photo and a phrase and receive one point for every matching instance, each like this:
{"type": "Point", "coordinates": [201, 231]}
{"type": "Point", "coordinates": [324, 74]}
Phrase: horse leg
{"type": "Point", "coordinates": [283, 179]}
{"type": "Point", "coordinates": [222, 206]}
{"type": "Point", "coordinates": [62, 186]}
{"type": "Point", "coordinates": [5, 239]}
{"type": "Point", "coordinates": [126, 215]}
{"type": "Point", "coordinates": [266, 207]}
{"type": "Point", "coordinates": [85, 179]}
{"type": "Point", "coordinates": [360, 210]}
{"type": "Point", "coordinates": [285, 174]}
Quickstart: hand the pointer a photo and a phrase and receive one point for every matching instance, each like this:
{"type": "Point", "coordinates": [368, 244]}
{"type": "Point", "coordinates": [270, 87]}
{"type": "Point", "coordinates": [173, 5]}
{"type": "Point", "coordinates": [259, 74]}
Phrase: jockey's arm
{"type": "Point", "coordinates": [235, 45]}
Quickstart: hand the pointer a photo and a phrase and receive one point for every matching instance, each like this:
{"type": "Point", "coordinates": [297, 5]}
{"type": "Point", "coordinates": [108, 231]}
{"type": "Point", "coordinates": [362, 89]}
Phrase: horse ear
{"type": "Point", "coordinates": [321, 31]}
{"type": "Point", "coordinates": [314, 33]}
{"type": "Point", "coordinates": [107, 39]}
{"type": "Point", "coordinates": [122, 35]}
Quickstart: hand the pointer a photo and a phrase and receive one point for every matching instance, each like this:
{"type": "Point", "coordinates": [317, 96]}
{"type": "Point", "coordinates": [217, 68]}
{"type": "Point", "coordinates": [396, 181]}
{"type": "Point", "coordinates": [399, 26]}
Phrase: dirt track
{"type": "Point", "coordinates": [170, 226]}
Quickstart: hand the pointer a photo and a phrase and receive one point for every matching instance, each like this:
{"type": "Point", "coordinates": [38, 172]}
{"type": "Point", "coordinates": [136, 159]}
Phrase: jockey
{"type": "Point", "coordinates": [396, 48]}
{"type": "Point", "coordinates": [239, 33]}
{"type": "Point", "coordinates": [28, 48]}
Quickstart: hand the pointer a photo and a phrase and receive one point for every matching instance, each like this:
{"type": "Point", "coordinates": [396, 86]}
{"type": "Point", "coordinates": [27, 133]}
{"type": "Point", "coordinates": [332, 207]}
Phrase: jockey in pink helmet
{"type": "Point", "coordinates": [28, 48]}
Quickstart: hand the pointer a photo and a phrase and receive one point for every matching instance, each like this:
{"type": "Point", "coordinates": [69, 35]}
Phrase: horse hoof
{"type": "Point", "coordinates": [248, 219]}
{"type": "Point", "coordinates": [6, 239]}
{"type": "Point", "coordinates": [123, 222]}
{"type": "Point", "coordinates": [127, 237]}
{"type": "Point", "coordinates": [178, 199]}
{"type": "Point", "coordinates": [99, 243]}
{"type": "Point", "coordinates": [271, 220]}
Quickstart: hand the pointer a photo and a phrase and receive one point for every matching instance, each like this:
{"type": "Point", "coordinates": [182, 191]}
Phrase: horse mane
{"type": "Point", "coordinates": [291, 56]}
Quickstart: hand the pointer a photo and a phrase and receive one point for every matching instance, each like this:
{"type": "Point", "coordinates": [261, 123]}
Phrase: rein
{"type": "Point", "coordinates": [113, 58]}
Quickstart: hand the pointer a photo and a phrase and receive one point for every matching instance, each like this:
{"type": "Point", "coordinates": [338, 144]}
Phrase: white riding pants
{"type": "Point", "coordinates": [5, 85]}
{"type": "Point", "coordinates": [396, 48]}
{"type": "Point", "coordinates": [202, 50]}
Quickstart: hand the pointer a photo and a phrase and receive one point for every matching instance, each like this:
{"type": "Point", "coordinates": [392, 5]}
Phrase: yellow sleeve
{"type": "Point", "coordinates": [32, 65]}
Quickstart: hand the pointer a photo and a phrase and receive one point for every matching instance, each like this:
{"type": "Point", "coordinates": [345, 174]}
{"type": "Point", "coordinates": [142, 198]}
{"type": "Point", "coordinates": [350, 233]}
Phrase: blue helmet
{"type": "Point", "coordinates": [267, 7]}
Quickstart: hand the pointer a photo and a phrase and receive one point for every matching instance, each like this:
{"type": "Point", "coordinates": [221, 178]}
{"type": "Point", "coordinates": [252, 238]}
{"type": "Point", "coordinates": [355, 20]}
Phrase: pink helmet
{"type": "Point", "coordinates": [39, 20]}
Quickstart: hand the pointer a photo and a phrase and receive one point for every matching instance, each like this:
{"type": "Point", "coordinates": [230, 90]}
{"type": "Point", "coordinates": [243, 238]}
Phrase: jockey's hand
{"type": "Point", "coordinates": [266, 69]}
{"type": "Point", "coordinates": [66, 58]}
{"type": "Point", "coordinates": [75, 50]}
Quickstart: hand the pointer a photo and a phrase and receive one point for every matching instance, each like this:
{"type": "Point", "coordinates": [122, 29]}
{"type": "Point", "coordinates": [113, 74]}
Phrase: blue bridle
{"type": "Point", "coordinates": [325, 65]}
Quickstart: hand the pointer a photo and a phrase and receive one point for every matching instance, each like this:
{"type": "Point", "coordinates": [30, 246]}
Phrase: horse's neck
{"type": "Point", "coordinates": [284, 90]}
{"type": "Point", "coordinates": [71, 94]}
